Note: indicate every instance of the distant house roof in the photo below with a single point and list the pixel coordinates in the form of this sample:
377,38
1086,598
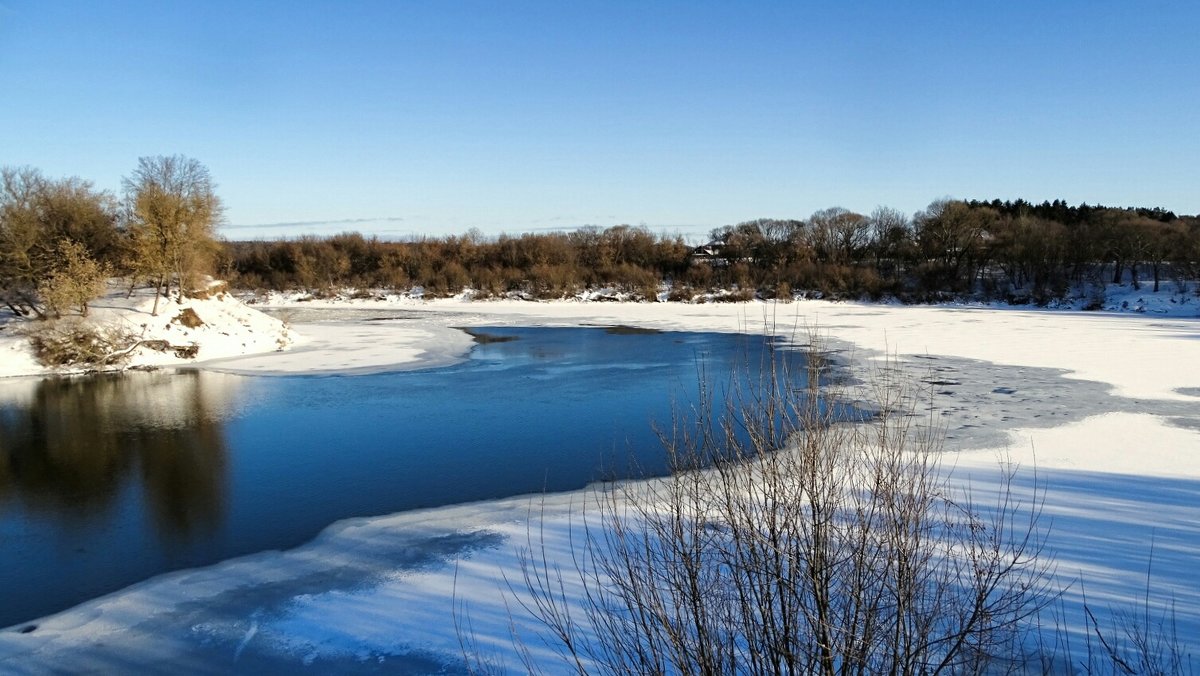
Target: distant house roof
712,253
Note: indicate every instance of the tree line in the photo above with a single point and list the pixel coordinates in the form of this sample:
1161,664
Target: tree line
61,239
1015,251
550,265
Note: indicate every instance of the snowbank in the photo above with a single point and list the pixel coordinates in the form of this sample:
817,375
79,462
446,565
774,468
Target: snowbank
219,327
352,344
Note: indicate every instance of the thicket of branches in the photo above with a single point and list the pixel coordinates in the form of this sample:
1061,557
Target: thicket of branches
61,239
1005,250
791,541
797,535
40,220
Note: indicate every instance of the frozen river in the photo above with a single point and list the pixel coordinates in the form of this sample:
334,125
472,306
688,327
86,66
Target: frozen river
107,481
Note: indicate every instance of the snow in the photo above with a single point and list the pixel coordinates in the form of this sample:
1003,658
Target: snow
1123,349
356,347
1121,475
229,328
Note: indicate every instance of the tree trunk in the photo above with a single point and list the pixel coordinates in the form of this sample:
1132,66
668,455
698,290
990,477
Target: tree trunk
16,310
157,294
31,303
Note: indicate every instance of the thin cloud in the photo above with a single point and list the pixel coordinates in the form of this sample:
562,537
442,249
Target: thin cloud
294,224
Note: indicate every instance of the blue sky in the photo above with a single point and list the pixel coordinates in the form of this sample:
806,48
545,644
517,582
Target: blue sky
436,117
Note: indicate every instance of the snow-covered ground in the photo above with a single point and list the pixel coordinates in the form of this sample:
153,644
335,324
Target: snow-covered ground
226,328
1105,405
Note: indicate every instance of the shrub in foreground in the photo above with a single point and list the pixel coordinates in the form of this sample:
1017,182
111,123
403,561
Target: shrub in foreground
70,342
788,540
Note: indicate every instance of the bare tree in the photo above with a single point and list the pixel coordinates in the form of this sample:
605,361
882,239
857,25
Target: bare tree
839,235
890,232
173,216
1160,241
792,540
951,235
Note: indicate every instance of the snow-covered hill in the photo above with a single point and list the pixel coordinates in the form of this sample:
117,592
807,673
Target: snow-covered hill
196,330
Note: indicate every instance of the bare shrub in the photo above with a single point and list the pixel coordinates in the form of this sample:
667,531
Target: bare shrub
681,293
1135,638
790,539
734,296
70,342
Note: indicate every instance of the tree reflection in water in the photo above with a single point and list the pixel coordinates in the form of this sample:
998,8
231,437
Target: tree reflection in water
80,442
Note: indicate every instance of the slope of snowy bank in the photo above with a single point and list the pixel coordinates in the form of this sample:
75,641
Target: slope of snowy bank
218,327
1121,474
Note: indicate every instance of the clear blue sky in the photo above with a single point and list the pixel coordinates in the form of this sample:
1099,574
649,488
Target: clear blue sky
511,116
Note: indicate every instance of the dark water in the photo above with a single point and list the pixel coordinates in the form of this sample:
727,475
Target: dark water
110,480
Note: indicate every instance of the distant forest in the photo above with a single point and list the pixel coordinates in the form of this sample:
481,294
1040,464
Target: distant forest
60,239
1009,250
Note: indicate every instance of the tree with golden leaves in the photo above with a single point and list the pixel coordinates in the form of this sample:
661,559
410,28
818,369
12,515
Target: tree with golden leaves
173,211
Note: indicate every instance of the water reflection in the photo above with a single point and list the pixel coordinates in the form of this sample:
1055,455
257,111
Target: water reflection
78,443
107,481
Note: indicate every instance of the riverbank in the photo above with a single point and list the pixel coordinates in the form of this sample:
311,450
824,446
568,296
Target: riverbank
181,333
1104,405
290,333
